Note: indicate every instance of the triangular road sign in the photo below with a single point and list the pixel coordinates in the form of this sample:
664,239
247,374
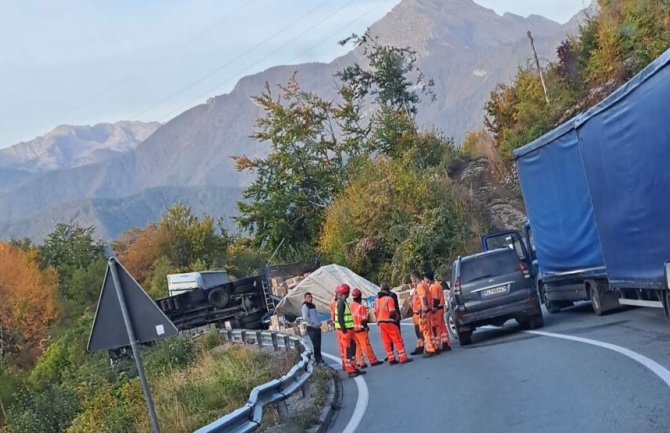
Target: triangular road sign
148,321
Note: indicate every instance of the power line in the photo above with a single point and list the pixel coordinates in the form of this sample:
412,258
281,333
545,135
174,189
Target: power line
209,74
158,59
340,30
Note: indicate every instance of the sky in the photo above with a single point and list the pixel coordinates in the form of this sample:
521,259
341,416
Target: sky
83,62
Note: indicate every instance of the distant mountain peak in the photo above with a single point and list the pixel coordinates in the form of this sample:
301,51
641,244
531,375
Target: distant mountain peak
68,146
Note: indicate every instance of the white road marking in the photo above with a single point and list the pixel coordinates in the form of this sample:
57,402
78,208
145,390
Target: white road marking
361,401
655,367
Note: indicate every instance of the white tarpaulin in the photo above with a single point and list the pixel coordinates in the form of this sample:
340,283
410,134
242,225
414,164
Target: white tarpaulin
321,284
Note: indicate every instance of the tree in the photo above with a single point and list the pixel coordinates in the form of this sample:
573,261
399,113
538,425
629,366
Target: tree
397,215
389,86
297,180
316,145
28,299
179,242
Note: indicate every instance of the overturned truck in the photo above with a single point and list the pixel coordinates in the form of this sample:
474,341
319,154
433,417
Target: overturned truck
204,298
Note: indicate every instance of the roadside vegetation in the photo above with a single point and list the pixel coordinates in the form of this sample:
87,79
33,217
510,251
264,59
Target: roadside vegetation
356,181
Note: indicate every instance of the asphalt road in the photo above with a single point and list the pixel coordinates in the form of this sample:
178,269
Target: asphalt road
512,381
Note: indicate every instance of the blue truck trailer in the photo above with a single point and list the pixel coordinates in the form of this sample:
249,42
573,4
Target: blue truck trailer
597,193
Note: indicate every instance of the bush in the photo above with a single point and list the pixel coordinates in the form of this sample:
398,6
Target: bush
49,410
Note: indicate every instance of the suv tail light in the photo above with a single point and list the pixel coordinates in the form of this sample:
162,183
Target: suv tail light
457,286
460,310
524,270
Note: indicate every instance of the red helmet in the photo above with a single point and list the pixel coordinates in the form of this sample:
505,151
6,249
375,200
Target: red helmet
356,293
343,290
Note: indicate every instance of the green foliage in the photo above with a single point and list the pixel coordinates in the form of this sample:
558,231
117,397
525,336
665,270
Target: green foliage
66,361
49,410
398,215
69,247
297,180
167,355
623,38
186,239
316,146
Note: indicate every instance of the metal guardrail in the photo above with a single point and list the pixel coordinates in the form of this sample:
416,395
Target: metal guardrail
248,417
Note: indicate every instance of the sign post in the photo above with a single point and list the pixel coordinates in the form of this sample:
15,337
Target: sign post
142,321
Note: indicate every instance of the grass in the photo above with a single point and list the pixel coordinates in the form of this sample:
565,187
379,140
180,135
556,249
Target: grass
217,379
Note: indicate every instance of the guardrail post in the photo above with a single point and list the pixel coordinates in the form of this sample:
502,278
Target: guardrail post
275,345
306,390
282,409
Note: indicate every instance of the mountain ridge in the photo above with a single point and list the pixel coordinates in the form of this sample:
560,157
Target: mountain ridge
465,48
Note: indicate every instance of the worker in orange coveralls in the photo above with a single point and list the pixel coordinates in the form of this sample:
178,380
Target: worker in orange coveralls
387,315
439,326
425,301
416,314
360,314
344,326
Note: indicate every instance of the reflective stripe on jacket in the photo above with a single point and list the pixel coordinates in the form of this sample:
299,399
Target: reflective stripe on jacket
384,306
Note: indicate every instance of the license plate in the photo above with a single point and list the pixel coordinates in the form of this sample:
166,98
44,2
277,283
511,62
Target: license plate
494,291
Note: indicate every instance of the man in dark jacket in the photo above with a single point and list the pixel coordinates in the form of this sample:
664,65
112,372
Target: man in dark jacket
311,318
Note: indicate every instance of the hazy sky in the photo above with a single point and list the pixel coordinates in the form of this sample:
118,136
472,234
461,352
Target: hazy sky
82,62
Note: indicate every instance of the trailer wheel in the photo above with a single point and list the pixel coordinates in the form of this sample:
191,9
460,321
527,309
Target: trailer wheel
596,301
551,306
218,298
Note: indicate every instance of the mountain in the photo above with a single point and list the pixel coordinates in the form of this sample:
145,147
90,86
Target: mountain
70,146
465,48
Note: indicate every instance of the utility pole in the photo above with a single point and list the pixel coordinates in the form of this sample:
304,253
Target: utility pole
539,69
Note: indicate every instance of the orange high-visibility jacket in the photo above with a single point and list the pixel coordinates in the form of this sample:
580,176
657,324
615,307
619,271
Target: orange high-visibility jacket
333,308
360,314
384,306
437,294
426,299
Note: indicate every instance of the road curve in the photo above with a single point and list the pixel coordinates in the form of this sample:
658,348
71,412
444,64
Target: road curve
509,381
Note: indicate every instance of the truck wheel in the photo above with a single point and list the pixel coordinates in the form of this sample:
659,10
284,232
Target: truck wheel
551,306
596,302
465,338
218,298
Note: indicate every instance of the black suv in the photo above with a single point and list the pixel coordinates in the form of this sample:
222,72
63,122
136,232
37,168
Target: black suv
490,288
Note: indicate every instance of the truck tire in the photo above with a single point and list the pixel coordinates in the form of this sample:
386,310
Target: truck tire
551,306
596,301
465,338
218,298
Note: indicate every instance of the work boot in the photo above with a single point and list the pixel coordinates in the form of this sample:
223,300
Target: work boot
417,351
374,364
363,366
446,348
429,354
356,373
407,360
393,362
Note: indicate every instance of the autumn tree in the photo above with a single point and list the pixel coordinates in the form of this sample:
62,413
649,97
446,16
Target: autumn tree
28,298
179,242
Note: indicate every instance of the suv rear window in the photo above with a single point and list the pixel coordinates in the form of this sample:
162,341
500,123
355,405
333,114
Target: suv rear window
489,265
